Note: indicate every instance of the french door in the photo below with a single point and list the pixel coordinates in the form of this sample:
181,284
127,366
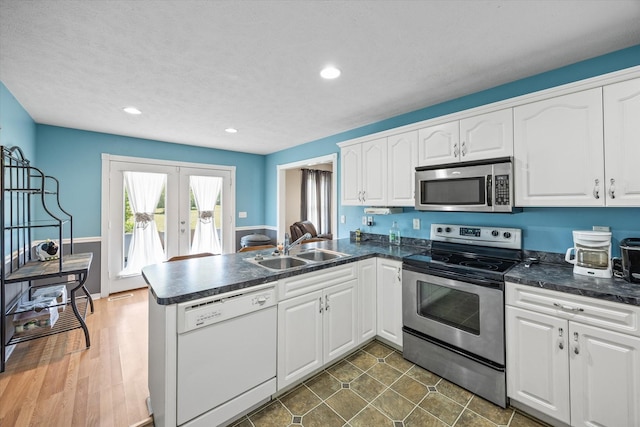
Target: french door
156,210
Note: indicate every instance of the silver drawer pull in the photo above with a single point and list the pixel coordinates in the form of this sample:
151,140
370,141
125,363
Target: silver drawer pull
568,307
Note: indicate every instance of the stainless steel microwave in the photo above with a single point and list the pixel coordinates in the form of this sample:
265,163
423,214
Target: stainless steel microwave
482,186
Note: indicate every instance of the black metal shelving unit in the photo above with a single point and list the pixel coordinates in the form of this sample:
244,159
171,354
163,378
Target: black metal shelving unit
26,193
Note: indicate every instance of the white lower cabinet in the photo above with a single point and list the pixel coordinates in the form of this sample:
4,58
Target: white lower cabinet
367,280
317,327
389,294
573,358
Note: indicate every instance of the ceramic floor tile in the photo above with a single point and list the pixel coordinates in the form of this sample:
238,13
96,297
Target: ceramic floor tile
362,360
344,371
490,411
384,373
367,387
324,385
442,407
377,349
454,392
322,416
300,401
346,403
393,405
410,389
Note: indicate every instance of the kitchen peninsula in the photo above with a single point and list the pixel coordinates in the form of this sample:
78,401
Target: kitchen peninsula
251,359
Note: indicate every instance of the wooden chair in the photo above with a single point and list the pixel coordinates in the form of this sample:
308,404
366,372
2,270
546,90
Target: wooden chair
181,257
256,248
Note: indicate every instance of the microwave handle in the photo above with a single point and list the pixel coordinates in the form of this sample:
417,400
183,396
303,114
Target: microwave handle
489,190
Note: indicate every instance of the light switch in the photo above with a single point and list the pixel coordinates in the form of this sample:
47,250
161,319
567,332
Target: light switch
242,214
416,223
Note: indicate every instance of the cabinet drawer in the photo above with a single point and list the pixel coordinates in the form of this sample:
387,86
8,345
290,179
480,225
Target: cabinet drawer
618,317
316,280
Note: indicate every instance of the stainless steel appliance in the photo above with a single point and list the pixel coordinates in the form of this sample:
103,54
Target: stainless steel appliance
630,254
453,306
483,186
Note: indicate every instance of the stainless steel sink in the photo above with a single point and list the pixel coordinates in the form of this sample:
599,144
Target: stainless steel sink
281,263
319,255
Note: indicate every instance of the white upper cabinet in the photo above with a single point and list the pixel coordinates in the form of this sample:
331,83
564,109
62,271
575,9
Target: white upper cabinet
402,160
622,143
364,173
439,144
487,136
558,151
379,172
480,137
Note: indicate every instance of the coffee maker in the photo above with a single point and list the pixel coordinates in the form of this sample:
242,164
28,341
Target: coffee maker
630,253
591,253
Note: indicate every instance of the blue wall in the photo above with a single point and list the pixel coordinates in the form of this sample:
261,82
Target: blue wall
546,229
75,158
16,126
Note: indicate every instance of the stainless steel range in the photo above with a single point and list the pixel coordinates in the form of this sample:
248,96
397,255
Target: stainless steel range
453,306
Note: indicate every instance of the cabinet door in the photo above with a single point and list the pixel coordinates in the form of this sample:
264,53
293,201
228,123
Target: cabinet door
351,175
367,299
389,284
605,377
374,172
558,151
340,322
299,337
439,144
537,361
487,136
402,161
622,143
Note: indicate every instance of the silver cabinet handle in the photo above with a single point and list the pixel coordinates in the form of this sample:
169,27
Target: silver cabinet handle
364,196
455,150
576,348
326,303
320,305
399,276
560,338
568,307
596,189
464,148
612,189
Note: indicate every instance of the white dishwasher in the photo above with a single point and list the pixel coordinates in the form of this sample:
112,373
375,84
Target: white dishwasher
226,355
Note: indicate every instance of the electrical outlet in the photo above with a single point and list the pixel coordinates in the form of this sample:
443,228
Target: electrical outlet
601,228
370,221
364,220
242,214
343,219
416,223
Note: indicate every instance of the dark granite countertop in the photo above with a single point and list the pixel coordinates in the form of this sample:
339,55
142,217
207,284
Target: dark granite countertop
181,281
559,277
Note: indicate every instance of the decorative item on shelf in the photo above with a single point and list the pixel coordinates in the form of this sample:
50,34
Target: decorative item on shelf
358,235
47,251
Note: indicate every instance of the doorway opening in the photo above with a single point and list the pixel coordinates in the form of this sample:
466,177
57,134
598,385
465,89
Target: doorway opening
289,191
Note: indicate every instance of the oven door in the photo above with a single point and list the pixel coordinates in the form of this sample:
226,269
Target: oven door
462,315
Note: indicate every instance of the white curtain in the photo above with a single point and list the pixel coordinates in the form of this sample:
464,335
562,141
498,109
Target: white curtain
316,199
144,190
205,192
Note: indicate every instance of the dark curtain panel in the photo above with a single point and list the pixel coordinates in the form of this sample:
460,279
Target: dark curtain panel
315,199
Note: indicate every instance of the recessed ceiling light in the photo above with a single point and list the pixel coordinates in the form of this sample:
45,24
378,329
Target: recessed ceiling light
330,72
132,110
231,130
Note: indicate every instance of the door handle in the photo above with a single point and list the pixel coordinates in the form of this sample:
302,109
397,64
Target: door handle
612,189
596,189
576,347
320,299
326,303
560,338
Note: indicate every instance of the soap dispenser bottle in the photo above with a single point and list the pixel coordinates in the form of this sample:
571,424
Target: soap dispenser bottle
394,234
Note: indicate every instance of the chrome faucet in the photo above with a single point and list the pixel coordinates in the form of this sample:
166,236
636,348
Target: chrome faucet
288,247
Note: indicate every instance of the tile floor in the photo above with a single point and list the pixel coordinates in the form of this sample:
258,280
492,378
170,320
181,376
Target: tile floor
377,387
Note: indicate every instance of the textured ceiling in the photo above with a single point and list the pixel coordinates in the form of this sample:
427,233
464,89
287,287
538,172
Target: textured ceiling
197,67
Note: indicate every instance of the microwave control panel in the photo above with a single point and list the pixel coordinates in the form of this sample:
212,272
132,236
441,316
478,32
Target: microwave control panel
502,192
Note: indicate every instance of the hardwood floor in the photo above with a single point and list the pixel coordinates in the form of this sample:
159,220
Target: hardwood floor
56,381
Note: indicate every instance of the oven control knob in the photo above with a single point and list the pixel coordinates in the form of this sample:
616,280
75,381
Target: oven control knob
439,229
448,229
506,235
495,233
